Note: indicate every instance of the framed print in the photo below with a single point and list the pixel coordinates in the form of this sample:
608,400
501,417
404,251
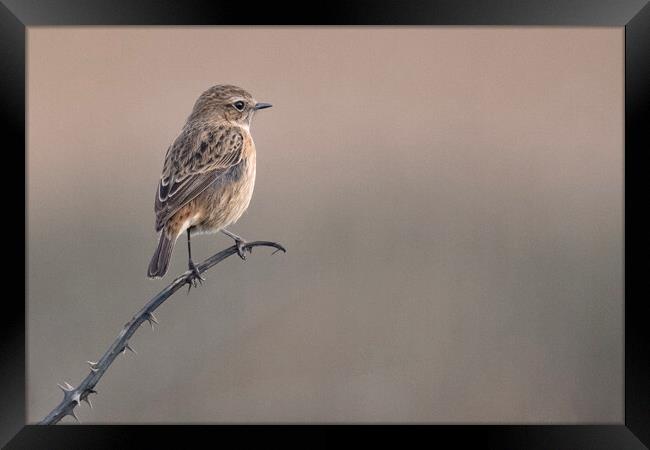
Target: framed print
420,218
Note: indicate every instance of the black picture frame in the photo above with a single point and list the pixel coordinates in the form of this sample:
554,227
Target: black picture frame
634,15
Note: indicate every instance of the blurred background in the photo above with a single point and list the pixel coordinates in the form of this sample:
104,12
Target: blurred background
451,199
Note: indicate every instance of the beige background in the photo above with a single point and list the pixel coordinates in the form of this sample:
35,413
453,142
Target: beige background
451,199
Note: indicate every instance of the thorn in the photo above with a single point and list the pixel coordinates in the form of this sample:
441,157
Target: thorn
93,365
65,387
71,413
151,319
87,400
128,347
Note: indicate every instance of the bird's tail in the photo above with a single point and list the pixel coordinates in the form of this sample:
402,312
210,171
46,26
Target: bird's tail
160,259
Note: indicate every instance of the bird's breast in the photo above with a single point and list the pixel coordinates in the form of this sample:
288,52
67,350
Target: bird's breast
230,195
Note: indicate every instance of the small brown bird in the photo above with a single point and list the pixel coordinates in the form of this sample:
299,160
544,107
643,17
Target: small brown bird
209,173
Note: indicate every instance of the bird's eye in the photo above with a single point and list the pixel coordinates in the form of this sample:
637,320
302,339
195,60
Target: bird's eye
239,105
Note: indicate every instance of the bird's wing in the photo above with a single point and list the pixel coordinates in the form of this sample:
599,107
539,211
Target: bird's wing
195,160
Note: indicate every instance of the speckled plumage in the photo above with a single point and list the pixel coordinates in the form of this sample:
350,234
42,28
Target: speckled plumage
209,171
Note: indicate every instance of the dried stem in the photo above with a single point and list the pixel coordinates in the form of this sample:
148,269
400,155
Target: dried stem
73,396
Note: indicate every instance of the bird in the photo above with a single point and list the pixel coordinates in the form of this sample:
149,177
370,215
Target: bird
208,174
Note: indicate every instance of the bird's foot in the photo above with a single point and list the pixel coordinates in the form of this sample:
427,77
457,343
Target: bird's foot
194,278
241,248
240,243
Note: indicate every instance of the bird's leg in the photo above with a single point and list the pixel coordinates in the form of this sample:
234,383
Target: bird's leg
195,276
239,242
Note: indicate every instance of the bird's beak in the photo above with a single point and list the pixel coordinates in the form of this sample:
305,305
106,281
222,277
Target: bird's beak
262,106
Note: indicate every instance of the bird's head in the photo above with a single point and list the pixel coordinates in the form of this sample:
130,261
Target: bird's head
225,102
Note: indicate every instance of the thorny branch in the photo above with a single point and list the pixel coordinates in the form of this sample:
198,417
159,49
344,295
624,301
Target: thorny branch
73,396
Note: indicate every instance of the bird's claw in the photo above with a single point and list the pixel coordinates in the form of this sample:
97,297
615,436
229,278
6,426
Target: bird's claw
194,278
241,249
